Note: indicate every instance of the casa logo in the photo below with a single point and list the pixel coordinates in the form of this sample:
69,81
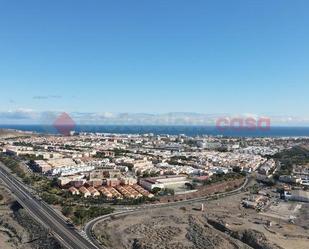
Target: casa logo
64,124
247,123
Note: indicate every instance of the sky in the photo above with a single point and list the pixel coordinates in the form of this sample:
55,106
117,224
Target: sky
201,56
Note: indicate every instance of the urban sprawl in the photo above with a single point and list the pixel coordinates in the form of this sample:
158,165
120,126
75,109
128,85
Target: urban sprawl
124,166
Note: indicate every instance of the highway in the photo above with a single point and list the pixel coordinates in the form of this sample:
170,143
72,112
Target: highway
63,232
88,228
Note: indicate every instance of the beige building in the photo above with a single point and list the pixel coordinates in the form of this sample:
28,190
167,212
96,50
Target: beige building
73,191
84,191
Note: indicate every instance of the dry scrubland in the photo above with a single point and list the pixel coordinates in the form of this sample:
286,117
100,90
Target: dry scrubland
5,133
18,230
224,224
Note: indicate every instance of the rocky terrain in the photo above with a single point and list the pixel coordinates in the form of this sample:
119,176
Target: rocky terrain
20,231
224,224
172,228
162,232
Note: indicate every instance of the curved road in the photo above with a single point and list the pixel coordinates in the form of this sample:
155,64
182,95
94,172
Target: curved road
67,235
88,229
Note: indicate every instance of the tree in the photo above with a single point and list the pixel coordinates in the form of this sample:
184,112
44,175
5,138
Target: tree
189,185
146,174
67,210
236,169
54,182
130,167
156,190
169,191
80,215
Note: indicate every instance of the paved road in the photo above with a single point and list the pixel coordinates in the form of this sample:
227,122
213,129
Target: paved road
44,214
88,229
67,235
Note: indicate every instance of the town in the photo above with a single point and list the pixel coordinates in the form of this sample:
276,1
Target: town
87,175
118,166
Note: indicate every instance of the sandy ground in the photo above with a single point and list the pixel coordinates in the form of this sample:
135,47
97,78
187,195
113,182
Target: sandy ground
189,227
11,233
165,228
18,230
5,133
281,232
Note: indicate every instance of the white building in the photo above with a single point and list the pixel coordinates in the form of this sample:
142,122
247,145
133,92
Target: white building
163,182
297,195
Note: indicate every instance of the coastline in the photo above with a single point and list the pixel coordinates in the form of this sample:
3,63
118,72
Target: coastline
192,131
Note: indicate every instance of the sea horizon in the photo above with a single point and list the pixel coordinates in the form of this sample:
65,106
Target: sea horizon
177,129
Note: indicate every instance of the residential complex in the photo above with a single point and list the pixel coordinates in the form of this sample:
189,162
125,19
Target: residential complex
117,166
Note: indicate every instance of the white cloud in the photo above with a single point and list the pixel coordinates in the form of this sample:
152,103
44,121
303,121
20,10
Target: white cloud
28,116
43,97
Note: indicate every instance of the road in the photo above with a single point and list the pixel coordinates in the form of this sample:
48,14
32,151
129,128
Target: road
90,225
43,213
67,235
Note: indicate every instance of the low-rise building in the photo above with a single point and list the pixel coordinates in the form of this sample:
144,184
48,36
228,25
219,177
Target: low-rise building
73,191
93,191
112,182
41,166
142,191
105,192
128,180
297,195
163,182
95,182
115,193
289,179
84,191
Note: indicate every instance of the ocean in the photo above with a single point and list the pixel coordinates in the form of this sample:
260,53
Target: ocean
172,130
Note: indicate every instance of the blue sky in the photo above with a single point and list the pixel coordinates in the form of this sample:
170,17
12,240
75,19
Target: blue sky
223,56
